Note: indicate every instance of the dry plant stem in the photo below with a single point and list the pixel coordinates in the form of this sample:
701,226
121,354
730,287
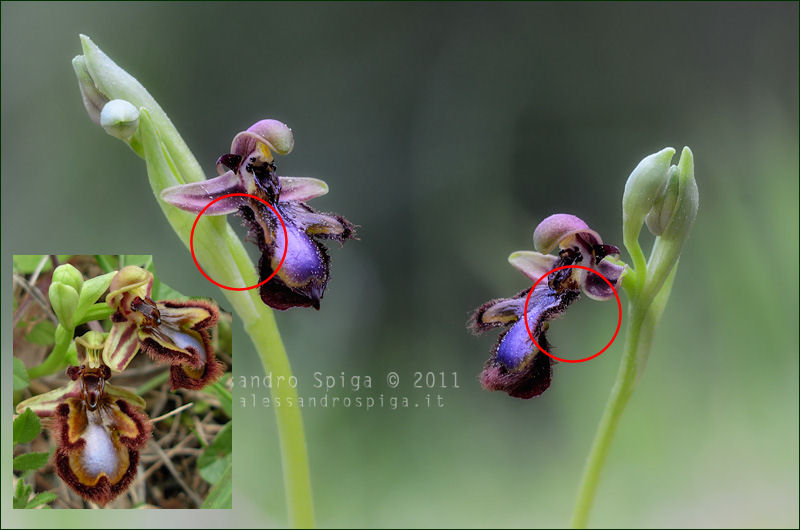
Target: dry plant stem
177,476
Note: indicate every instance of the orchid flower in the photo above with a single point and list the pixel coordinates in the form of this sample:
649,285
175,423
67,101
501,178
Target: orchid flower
516,365
249,168
170,331
99,428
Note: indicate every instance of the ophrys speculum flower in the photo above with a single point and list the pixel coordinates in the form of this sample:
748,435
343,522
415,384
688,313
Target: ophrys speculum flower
99,428
170,331
250,168
517,366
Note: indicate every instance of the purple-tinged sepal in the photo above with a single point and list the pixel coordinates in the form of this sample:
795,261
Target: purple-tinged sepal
195,196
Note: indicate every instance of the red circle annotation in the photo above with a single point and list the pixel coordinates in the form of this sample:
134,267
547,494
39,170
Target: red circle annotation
619,319
285,239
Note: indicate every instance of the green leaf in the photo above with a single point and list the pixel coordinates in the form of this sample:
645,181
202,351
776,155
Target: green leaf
225,399
26,427
28,461
91,291
21,494
42,333
99,311
21,380
41,498
107,263
64,300
217,456
221,494
27,263
214,470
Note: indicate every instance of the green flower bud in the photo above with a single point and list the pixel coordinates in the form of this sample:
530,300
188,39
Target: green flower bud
679,219
93,99
643,188
68,275
120,118
64,300
684,209
661,212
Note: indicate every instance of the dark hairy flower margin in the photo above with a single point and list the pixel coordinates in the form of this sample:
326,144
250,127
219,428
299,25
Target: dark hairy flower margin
516,366
250,168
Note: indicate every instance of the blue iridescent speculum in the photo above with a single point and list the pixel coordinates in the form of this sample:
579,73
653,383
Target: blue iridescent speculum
249,168
516,366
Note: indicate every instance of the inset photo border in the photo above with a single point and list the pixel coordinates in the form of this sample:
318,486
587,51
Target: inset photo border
122,387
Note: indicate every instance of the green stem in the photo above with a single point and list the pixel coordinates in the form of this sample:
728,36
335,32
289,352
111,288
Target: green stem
296,476
153,382
620,393
643,316
223,256
56,360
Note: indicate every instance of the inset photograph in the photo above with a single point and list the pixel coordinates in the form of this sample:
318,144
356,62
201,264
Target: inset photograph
122,387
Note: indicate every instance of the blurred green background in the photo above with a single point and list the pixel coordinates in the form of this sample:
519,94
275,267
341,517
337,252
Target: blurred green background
448,131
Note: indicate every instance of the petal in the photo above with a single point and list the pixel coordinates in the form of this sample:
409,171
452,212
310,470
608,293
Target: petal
117,393
594,286
128,283
98,466
127,420
495,313
89,347
122,345
301,280
516,365
544,305
175,346
528,382
45,405
559,229
273,134
195,314
321,225
192,379
77,470
97,450
532,264
195,196
301,188
228,161
71,422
